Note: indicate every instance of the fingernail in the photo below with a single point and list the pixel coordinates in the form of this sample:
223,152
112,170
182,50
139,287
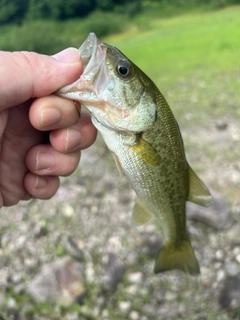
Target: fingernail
69,55
49,116
40,183
44,161
73,139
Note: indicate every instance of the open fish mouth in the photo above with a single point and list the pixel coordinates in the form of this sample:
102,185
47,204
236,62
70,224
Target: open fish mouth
93,54
111,99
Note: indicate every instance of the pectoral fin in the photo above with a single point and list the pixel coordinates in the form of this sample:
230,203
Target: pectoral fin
198,192
146,152
141,214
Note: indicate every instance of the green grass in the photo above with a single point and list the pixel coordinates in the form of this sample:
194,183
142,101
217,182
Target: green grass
166,49
176,47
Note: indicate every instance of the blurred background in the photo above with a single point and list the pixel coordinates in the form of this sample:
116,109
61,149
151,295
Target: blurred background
77,256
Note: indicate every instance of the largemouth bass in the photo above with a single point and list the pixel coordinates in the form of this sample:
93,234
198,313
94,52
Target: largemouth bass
139,128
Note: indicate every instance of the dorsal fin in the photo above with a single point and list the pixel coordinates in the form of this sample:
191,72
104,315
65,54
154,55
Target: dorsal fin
141,214
198,192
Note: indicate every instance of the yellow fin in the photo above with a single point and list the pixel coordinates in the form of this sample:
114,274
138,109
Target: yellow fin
141,214
118,164
146,152
178,256
198,192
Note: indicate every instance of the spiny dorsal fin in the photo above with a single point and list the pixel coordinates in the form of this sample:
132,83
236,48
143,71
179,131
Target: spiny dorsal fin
146,152
141,214
198,192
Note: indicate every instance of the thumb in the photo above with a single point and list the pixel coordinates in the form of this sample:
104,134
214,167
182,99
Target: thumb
25,75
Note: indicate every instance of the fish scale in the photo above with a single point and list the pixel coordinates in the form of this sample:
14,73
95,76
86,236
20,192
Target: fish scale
139,128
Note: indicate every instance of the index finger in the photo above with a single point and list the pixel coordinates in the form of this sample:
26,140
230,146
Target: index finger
25,75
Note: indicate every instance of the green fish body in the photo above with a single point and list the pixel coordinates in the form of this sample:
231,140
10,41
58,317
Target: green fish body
139,128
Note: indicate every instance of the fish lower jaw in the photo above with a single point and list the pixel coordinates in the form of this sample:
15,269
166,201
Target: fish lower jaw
108,126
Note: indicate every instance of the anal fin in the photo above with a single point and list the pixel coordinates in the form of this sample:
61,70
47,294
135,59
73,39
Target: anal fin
198,192
141,214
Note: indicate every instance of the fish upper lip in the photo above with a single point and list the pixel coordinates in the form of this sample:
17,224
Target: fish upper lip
92,53
88,48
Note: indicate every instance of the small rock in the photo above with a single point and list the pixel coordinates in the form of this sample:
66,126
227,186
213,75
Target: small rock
73,316
124,306
12,304
134,315
230,295
114,271
90,272
219,255
68,210
221,124
238,258
220,274
232,268
73,248
135,277
170,296
59,281
40,229
105,313
133,289
216,215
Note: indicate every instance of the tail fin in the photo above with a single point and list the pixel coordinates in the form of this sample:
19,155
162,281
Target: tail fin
177,256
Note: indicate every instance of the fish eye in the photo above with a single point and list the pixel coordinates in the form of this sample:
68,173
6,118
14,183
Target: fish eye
124,69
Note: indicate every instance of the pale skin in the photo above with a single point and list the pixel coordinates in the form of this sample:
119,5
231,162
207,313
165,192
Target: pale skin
29,113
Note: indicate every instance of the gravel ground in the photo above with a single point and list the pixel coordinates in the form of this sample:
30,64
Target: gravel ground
77,256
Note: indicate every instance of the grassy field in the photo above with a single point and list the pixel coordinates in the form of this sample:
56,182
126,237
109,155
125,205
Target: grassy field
184,44
194,60
204,45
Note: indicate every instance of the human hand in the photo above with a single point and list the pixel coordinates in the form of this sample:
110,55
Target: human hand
29,167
